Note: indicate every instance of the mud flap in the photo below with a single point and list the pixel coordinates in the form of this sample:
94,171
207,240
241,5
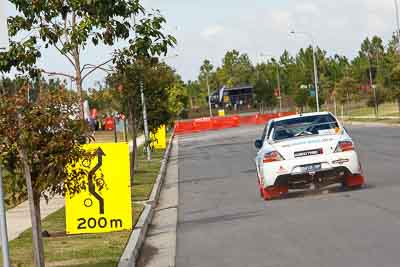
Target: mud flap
273,192
354,181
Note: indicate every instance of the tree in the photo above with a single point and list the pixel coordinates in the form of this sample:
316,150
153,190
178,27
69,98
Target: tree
178,100
289,73
206,77
346,89
377,98
71,26
156,78
205,70
264,93
103,100
38,141
301,98
236,69
194,94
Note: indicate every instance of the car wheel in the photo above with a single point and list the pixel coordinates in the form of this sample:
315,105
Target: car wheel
356,187
274,192
354,181
261,193
265,194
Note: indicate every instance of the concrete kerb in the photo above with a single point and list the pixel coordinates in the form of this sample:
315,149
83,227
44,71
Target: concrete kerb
138,235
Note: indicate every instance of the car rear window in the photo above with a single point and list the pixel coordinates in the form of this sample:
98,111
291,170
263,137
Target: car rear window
304,126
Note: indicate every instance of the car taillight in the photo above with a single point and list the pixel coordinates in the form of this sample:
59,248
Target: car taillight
272,156
344,146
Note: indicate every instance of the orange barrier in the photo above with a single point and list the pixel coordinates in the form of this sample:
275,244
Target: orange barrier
249,119
219,123
182,127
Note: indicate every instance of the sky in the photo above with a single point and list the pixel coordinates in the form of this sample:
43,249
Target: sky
207,29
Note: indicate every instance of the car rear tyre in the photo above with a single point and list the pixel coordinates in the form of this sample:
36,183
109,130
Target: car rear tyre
273,192
354,182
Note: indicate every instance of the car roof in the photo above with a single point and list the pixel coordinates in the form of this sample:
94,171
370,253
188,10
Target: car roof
301,115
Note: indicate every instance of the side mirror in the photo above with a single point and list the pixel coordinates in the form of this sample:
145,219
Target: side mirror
258,144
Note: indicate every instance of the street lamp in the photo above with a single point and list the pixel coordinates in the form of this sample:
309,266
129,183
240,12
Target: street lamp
209,95
396,4
309,35
278,78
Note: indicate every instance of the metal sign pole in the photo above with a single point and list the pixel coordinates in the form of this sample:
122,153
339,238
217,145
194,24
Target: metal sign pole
3,226
4,45
145,121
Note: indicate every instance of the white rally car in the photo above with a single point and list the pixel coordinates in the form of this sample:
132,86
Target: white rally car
306,151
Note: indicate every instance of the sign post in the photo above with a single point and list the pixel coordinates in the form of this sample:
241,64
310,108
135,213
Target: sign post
3,220
106,204
3,226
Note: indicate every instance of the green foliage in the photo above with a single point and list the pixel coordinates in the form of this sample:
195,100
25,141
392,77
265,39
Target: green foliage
103,100
264,92
301,97
346,88
71,26
196,96
236,70
375,64
157,79
178,100
47,131
378,97
395,79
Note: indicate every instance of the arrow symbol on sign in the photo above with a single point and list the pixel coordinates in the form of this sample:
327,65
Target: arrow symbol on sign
92,188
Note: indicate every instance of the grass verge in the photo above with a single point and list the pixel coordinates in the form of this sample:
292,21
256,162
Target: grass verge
89,250
146,174
386,121
100,250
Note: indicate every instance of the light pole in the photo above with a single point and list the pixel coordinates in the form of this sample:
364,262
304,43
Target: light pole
145,121
278,79
4,46
396,4
309,35
209,96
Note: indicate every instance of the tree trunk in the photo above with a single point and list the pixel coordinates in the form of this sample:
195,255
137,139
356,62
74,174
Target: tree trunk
78,74
132,130
80,94
34,207
191,103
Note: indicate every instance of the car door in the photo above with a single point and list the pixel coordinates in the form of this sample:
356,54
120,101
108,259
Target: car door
260,153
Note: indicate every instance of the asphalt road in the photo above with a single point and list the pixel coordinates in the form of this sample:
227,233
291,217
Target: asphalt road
224,222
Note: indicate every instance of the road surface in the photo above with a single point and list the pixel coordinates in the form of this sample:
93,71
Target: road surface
224,222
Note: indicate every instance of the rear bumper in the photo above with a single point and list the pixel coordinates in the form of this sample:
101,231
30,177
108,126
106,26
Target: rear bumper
334,167
321,178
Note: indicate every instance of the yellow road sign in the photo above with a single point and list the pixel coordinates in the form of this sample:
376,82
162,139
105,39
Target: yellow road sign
108,209
160,138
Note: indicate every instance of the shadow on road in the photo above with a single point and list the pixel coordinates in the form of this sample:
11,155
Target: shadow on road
221,218
321,192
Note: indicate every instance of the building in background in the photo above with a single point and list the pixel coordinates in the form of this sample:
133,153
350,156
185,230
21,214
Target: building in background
231,97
